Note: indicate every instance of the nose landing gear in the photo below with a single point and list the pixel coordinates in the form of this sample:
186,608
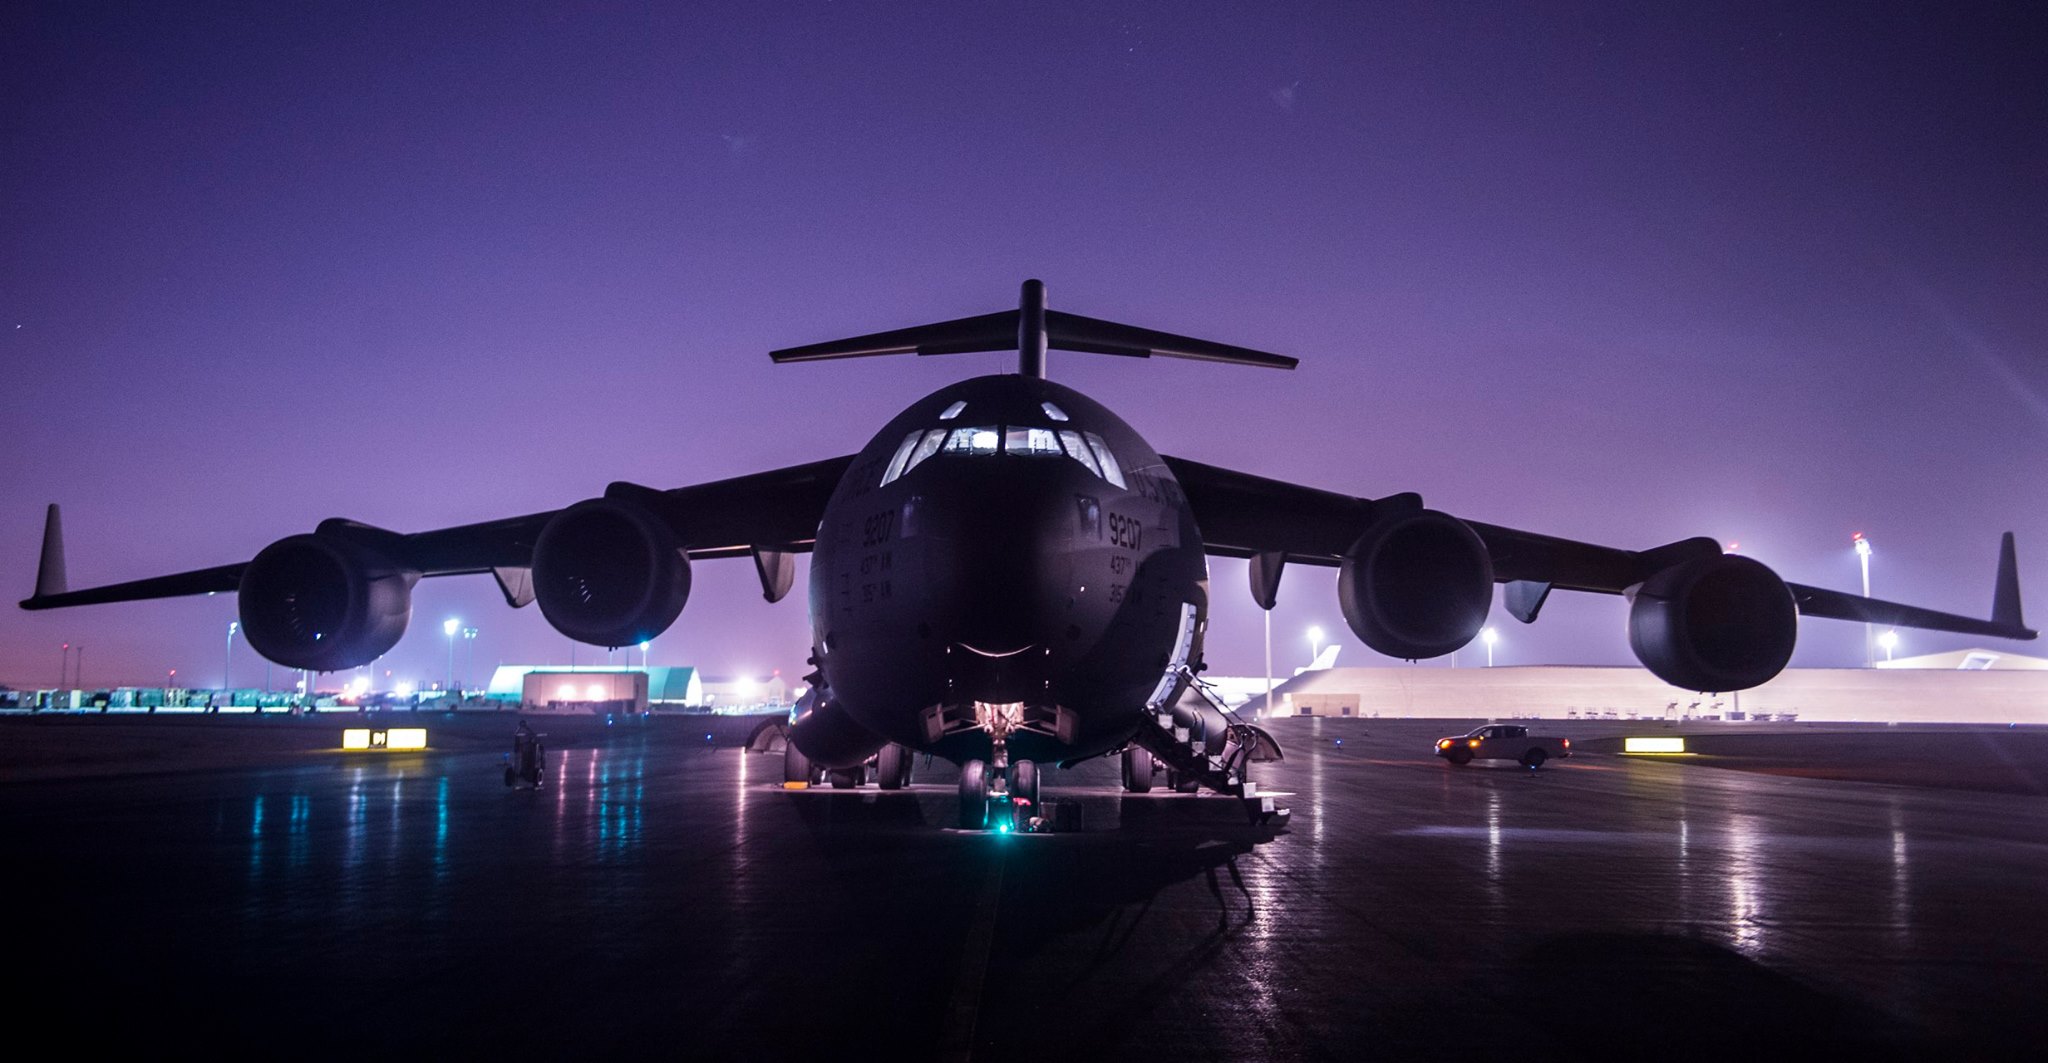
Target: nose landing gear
998,794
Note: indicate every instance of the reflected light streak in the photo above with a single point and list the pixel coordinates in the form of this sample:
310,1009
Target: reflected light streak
1745,887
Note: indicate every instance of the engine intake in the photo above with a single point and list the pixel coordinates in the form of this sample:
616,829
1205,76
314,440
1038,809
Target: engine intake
610,573
1416,585
324,603
1714,624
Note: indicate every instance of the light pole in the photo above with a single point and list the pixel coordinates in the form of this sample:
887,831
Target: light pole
64,667
1491,636
469,657
643,654
1863,555
1315,644
228,658
449,627
1890,641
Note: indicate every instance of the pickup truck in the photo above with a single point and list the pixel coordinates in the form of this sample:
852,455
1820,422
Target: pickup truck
1502,741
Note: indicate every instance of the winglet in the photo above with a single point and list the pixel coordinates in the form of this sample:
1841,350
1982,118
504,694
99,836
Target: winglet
2005,600
50,573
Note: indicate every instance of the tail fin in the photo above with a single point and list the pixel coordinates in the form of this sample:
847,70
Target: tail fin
2005,599
50,572
1031,328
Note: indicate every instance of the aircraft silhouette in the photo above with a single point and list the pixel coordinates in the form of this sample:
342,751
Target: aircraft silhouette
1007,574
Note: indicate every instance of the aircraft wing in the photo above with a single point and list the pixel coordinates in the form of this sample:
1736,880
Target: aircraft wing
776,511
1242,515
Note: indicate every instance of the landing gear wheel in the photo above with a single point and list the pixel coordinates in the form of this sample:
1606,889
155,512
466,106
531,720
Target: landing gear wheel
848,778
795,766
892,767
1460,757
1138,768
1182,783
1024,792
1534,759
974,796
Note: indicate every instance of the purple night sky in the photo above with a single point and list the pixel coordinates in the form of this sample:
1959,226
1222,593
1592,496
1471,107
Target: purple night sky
1628,273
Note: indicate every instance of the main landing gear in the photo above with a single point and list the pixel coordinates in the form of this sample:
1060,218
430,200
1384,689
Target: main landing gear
889,769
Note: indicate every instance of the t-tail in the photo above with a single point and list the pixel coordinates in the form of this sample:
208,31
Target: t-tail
1032,329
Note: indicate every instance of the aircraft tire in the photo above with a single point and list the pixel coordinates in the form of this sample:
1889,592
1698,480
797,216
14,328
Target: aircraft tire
1024,786
1138,767
974,796
795,766
847,778
892,767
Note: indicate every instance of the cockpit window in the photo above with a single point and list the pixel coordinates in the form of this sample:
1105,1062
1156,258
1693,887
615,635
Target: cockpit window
953,410
902,458
1033,442
1053,412
1022,440
981,440
1079,451
1110,470
915,447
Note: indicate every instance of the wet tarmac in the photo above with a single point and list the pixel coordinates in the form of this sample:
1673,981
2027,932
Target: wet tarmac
662,897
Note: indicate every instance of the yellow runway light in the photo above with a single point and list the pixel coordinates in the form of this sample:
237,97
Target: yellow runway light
1664,746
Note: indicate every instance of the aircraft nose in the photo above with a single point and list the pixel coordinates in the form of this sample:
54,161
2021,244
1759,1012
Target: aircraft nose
1003,559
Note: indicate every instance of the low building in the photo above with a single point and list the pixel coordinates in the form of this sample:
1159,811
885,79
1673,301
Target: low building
1946,688
657,689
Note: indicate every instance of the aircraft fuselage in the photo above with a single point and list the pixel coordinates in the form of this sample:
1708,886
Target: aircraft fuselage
1007,544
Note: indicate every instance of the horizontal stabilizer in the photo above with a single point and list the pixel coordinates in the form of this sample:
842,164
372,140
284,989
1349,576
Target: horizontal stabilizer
1001,331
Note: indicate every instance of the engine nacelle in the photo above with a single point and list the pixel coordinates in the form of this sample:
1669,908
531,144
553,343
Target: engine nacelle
1717,623
609,573
1416,585
324,603
830,736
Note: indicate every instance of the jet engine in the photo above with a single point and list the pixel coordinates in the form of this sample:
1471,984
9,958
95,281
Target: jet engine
825,733
610,573
324,603
1416,585
1716,623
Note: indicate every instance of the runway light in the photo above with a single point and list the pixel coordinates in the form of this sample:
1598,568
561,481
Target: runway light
1653,745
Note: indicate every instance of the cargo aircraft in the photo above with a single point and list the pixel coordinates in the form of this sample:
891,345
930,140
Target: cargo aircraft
1008,575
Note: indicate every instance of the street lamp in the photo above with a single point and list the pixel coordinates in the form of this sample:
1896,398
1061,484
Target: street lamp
1315,644
64,667
643,654
1890,641
449,627
228,657
1863,555
469,656
1490,636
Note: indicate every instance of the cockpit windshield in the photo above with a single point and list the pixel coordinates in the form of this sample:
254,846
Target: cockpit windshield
1025,441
